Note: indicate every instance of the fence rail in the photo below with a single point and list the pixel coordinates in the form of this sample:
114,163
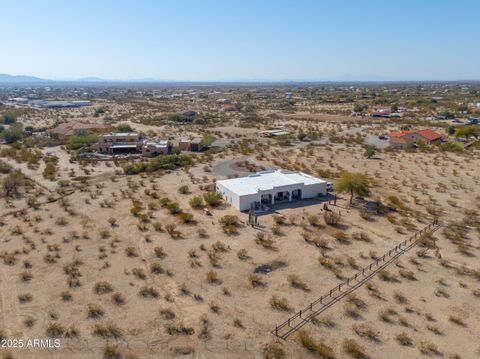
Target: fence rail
304,316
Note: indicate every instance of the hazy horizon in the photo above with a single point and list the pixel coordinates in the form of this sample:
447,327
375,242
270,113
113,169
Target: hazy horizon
218,41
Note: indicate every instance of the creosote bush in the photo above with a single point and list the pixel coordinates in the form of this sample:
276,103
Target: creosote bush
319,349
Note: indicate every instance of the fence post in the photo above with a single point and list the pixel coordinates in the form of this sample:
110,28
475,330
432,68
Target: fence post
300,315
276,330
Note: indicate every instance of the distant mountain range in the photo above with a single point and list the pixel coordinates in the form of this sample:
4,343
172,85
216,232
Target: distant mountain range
20,79
6,79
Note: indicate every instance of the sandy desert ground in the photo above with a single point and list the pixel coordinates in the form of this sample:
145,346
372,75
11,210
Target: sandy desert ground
107,266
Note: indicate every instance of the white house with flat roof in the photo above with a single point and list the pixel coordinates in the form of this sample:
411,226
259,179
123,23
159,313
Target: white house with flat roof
270,187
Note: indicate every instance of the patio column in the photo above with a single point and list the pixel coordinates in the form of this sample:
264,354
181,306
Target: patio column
273,199
290,196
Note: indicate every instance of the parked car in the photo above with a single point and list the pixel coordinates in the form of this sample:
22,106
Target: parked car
382,137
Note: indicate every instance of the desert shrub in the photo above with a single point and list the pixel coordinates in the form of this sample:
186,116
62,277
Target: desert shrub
184,350
256,281
26,276
407,274
387,276
50,171
55,330
111,352
174,208
365,331
213,199
157,226
172,231
342,237
296,282
262,239
366,215
212,277
94,311
318,349
430,349
66,296
103,288
25,298
279,219
273,351
186,218
167,314
279,303
159,252
457,320
242,254
139,273
148,292
229,224
173,329
118,299
12,184
79,141
107,331
183,189
131,251
404,339
196,202
331,218
353,349
159,162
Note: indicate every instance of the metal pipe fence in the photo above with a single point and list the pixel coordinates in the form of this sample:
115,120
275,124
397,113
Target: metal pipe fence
302,317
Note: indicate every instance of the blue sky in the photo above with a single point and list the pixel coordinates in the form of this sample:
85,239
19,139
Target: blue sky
203,40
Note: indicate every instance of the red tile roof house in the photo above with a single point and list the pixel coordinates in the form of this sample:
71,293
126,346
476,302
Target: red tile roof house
67,129
408,139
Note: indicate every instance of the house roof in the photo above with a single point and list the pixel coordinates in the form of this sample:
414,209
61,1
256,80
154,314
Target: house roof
429,135
69,128
399,133
267,180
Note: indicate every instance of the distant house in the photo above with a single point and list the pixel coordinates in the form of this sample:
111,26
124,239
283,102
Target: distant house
228,107
67,129
430,136
119,142
184,144
155,148
273,133
408,139
196,145
402,139
381,111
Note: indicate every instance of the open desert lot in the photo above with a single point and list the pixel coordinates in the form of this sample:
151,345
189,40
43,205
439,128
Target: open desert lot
127,256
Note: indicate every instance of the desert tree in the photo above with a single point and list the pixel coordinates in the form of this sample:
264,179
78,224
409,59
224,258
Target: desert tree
353,183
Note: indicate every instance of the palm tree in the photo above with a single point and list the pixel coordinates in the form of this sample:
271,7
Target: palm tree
353,182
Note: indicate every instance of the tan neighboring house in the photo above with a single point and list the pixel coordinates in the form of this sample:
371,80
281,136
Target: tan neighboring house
67,129
121,142
194,145
184,144
155,148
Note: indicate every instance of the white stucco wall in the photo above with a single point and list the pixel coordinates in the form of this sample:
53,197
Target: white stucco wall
243,202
